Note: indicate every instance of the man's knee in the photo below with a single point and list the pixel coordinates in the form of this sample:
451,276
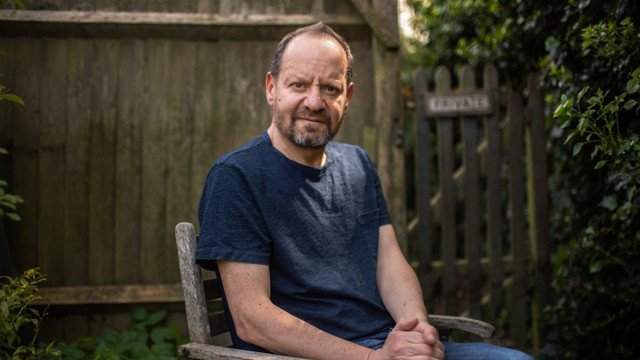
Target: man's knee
481,351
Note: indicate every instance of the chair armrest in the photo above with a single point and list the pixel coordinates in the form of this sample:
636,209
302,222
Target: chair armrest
213,352
473,326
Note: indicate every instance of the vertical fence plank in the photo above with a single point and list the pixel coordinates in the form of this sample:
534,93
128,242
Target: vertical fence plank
538,206
471,199
102,235
102,162
25,151
423,190
494,214
207,6
152,257
51,161
76,203
448,203
179,147
205,122
128,161
518,248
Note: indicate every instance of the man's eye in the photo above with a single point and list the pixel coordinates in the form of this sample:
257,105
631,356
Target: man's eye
331,89
297,85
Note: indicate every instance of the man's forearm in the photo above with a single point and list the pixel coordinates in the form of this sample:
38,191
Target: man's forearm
402,294
258,321
399,286
278,331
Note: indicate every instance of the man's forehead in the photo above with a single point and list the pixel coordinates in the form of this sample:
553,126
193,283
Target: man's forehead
314,48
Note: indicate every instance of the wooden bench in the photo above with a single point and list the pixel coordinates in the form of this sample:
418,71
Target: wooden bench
204,325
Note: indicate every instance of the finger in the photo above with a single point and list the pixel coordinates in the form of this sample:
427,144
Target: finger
425,327
429,332
438,353
430,337
439,345
408,348
406,324
412,337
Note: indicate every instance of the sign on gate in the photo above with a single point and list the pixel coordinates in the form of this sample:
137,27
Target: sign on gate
458,104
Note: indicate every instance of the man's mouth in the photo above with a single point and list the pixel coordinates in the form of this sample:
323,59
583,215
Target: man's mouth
312,120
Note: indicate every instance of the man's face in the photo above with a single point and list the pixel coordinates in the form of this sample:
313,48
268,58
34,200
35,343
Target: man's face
310,96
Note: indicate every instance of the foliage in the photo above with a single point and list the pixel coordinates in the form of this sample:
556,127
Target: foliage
8,202
597,273
477,32
146,338
15,4
587,52
18,318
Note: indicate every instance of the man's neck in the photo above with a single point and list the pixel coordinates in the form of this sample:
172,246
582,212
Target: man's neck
314,157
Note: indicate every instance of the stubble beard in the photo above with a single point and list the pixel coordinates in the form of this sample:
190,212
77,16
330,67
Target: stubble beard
306,136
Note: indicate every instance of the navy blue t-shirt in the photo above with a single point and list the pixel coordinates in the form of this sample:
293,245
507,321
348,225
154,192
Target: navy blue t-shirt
316,229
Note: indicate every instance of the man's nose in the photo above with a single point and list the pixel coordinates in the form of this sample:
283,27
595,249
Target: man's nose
313,101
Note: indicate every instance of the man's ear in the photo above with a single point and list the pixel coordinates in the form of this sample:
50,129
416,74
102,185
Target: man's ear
269,86
350,90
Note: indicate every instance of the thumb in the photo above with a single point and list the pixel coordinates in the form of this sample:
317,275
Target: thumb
406,324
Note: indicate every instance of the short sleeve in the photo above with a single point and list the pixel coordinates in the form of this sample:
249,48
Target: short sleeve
231,226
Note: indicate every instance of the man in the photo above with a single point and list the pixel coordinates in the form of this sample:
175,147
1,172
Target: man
299,231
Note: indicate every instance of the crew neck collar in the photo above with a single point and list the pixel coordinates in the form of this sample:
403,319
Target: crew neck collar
309,170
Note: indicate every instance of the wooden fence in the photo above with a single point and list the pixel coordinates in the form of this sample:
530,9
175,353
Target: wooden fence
128,103
482,199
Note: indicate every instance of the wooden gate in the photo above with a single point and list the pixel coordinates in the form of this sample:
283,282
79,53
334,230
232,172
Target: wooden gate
482,200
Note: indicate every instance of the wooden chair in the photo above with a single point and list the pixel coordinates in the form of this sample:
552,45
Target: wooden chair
203,326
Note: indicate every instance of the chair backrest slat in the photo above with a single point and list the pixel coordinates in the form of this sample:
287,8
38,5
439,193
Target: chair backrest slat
211,289
194,296
218,323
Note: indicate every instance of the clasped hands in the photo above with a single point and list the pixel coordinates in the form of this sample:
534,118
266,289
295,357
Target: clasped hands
411,339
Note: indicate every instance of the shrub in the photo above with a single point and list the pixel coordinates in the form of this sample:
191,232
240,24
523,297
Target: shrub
146,338
596,273
17,318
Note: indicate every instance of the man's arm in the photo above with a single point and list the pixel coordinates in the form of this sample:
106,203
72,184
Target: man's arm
402,296
398,284
258,321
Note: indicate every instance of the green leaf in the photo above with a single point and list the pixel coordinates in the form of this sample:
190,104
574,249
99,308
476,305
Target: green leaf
633,86
3,151
582,92
12,97
600,164
158,335
139,313
13,216
577,147
595,267
156,318
609,203
629,104
551,43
